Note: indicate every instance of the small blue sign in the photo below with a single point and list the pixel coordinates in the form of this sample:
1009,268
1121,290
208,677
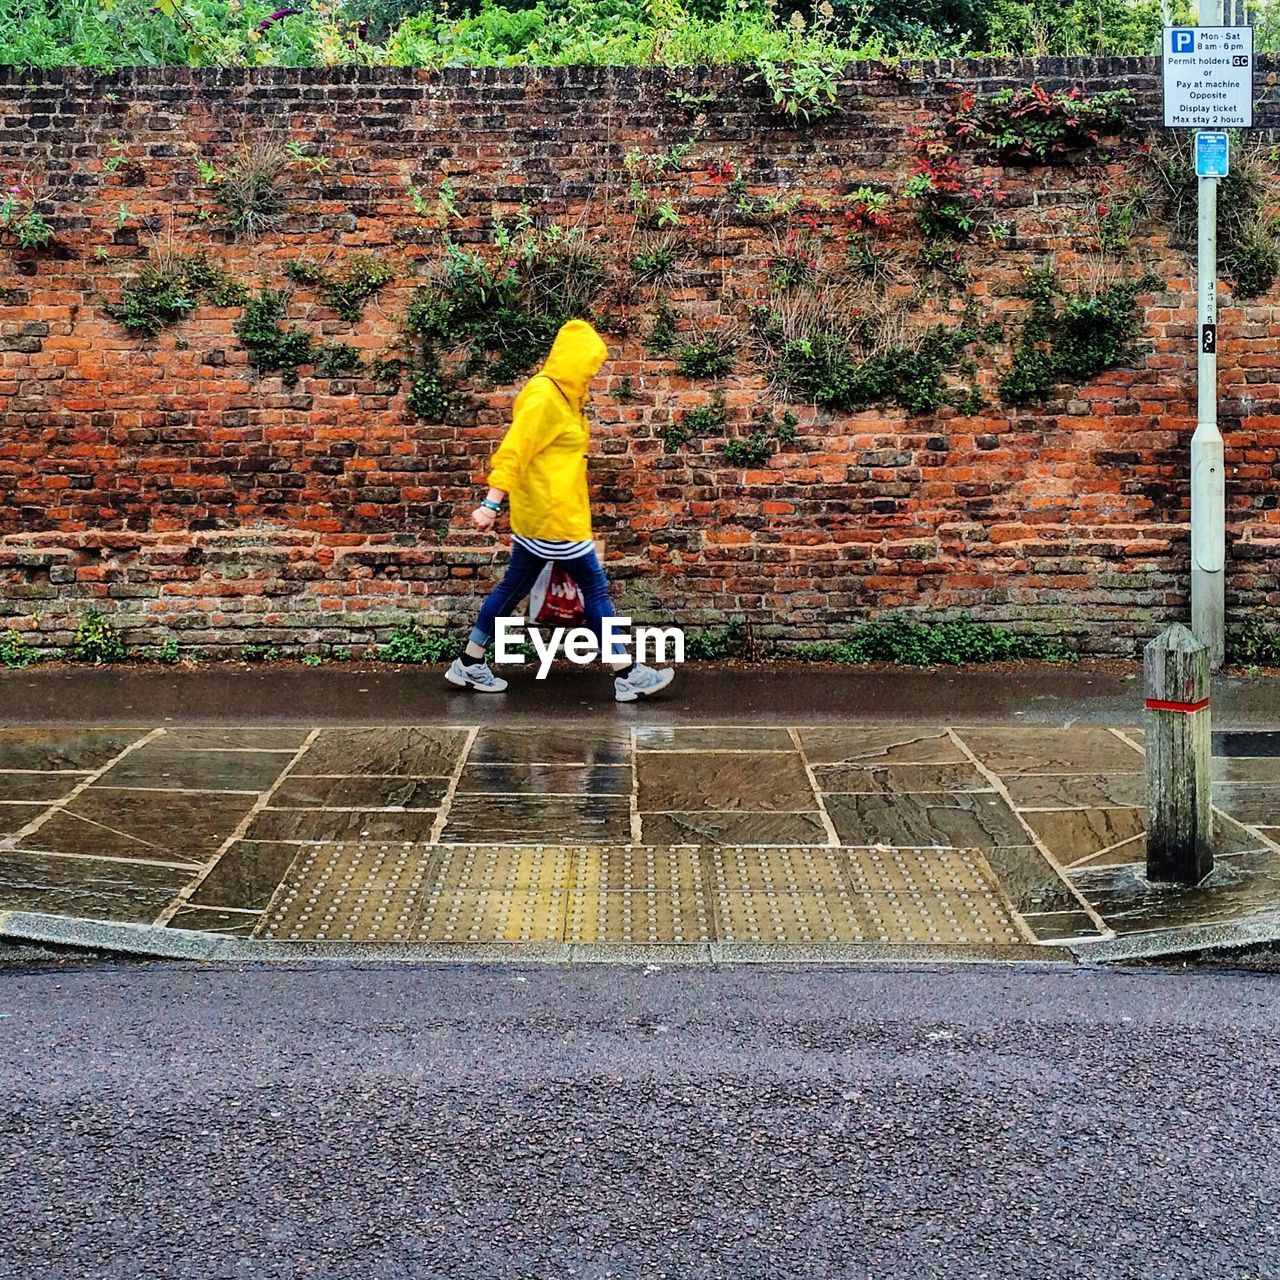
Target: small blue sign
1211,155
1184,40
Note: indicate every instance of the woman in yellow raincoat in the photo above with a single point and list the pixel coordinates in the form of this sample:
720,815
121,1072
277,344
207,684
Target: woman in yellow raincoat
541,465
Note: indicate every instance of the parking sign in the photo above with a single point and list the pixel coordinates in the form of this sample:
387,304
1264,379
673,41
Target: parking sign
1208,77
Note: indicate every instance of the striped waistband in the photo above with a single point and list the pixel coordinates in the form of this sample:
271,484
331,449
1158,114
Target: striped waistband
551,550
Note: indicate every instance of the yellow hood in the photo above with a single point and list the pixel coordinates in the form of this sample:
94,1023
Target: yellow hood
576,357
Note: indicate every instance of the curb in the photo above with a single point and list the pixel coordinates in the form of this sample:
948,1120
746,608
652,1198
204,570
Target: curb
147,940
1186,939
169,944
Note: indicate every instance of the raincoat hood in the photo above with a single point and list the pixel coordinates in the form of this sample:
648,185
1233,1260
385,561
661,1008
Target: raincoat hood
576,357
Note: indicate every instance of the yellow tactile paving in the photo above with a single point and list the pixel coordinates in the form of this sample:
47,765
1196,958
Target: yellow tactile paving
628,916
503,915
348,893
489,868
630,894
783,916
638,869
797,870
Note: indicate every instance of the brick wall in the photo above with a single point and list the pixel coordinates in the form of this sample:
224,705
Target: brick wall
164,482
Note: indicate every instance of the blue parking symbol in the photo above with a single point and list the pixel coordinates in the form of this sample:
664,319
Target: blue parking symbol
1184,40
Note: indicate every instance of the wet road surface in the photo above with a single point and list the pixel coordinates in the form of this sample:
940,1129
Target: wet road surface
160,1121
1086,693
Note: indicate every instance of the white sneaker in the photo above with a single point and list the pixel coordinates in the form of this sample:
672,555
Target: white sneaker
641,682
475,676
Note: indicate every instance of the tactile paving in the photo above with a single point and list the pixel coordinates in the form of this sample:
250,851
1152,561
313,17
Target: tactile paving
628,916
502,869
349,893
494,915
634,894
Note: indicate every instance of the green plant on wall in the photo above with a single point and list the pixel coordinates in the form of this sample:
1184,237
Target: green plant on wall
1254,645
874,268
759,445
1030,376
662,331
941,263
843,361
801,80
1248,246
387,372
249,186
337,360
297,151
749,451
431,393
130,171
501,311
1094,329
950,203
704,420
656,264
411,643
1031,125
442,208
169,289
800,90
272,348
796,258
709,355
346,290
648,177
20,214
717,644
1027,125
754,208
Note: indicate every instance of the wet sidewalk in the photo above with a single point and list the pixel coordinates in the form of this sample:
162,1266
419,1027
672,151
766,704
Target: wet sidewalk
597,839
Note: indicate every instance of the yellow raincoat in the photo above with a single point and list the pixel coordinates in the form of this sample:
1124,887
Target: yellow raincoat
542,460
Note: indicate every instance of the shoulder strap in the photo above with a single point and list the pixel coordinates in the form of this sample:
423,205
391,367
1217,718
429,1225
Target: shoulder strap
557,386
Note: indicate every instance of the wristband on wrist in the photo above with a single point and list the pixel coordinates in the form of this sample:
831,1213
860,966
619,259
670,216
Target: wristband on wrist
492,506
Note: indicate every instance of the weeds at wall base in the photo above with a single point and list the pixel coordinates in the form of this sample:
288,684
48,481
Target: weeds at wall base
15,653
96,640
1254,645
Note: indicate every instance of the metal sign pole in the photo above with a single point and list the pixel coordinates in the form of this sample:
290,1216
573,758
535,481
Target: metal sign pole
1208,481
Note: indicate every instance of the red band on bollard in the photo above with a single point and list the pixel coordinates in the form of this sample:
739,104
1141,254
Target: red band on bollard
1154,704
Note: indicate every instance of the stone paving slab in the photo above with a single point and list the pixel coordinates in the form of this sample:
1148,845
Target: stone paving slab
703,836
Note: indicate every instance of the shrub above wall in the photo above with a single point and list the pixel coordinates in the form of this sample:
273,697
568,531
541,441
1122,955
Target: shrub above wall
796,47
930,353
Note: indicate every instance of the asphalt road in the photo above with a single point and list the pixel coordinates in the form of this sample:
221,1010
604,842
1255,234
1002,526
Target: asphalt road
164,1121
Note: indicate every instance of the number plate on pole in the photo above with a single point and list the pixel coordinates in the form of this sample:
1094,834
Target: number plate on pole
1208,77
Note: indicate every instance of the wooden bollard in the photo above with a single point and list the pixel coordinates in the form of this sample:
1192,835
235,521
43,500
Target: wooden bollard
1179,800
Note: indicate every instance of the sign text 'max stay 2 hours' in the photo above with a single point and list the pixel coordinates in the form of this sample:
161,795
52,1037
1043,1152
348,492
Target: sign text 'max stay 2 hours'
1208,77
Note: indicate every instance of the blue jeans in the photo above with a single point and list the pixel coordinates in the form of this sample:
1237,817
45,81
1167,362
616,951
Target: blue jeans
518,581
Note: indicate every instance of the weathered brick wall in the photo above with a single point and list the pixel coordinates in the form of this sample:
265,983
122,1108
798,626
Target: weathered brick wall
164,482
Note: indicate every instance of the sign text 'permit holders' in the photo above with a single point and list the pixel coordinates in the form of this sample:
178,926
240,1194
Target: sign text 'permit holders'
1208,77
